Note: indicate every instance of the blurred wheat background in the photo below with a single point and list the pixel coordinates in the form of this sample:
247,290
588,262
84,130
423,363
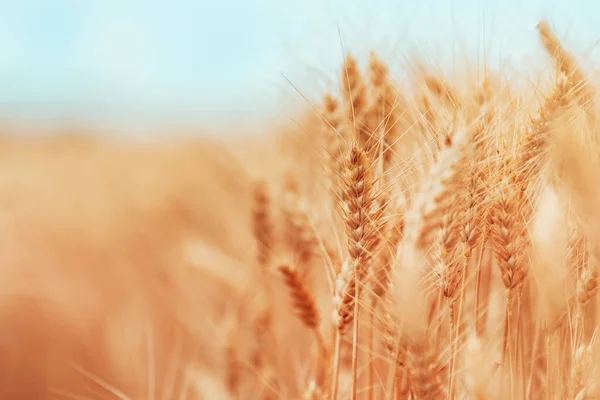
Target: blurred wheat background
299,200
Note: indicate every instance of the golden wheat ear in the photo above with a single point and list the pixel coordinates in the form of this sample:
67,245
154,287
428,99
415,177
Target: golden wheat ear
566,65
262,225
386,107
302,302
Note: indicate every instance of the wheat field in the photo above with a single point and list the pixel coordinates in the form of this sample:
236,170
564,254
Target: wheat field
433,239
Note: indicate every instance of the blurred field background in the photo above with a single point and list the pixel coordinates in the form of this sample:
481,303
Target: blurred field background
132,134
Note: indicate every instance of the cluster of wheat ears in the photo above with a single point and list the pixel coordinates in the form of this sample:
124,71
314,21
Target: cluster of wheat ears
453,256
425,239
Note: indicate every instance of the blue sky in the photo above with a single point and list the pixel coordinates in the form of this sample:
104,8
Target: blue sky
220,60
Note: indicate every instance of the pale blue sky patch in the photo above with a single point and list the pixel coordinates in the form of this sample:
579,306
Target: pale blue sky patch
208,61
